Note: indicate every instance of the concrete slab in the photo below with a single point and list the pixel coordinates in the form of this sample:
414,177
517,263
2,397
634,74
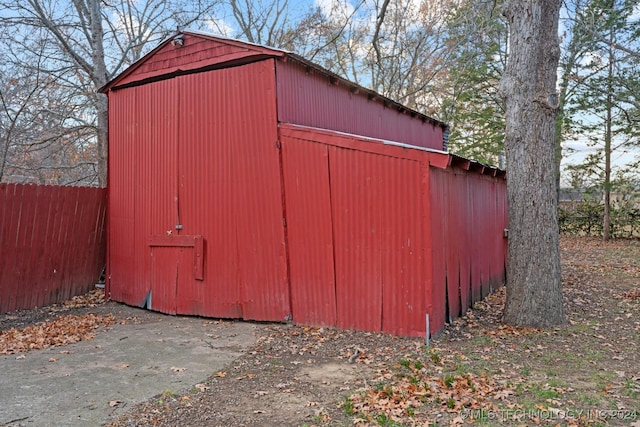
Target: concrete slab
129,363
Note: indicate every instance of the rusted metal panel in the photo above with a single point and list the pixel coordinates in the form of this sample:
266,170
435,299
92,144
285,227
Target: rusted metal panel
52,241
309,231
309,98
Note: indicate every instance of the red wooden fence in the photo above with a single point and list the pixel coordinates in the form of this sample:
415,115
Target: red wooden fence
52,243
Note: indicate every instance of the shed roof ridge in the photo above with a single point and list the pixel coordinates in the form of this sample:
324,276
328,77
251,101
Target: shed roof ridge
230,39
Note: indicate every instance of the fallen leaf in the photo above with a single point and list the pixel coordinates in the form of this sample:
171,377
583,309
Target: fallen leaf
202,387
122,366
503,394
114,403
222,374
53,359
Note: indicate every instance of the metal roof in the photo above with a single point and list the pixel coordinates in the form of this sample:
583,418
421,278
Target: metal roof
260,52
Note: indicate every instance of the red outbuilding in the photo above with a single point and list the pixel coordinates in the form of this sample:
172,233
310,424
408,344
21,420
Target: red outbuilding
246,182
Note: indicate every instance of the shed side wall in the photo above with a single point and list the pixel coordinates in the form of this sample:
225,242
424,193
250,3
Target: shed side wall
369,232
311,99
469,250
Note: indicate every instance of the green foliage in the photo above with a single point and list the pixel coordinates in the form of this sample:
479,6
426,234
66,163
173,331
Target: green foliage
585,219
347,406
602,109
448,380
471,103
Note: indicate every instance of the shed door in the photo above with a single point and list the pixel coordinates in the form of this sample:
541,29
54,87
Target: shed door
174,257
174,260
175,246
169,253
214,174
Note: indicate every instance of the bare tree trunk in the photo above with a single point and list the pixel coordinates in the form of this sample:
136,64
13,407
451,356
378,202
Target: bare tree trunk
99,76
534,289
606,220
102,138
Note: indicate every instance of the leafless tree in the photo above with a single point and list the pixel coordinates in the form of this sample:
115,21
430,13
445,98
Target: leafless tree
262,22
39,140
85,43
396,48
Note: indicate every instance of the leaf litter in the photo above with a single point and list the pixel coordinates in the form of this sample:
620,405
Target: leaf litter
476,372
62,331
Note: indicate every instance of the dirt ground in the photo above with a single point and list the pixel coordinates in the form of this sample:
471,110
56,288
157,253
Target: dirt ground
476,372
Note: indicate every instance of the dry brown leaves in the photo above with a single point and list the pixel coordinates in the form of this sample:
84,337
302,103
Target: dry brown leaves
90,299
61,331
631,295
405,394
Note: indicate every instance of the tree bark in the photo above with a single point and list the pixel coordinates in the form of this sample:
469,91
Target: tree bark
606,220
99,77
534,288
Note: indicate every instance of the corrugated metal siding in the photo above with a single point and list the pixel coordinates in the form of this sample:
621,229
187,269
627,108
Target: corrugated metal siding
205,156
53,243
376,237
468,217
375,229
438,210
122,165
310,99
378,242
208,189
155,149
235,197
310,231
